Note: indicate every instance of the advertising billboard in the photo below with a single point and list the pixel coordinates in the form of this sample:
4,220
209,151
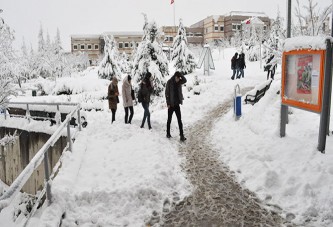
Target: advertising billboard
302,79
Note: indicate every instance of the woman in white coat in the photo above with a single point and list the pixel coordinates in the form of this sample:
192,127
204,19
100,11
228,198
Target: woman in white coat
128,99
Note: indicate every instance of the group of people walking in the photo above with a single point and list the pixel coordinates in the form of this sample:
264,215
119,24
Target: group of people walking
238,65
173,95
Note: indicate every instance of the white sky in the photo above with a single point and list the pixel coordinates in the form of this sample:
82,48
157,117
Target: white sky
95,17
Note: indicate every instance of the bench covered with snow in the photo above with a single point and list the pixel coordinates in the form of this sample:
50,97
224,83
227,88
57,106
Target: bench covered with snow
257,93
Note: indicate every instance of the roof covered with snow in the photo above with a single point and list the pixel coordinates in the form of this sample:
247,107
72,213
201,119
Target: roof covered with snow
124,33
85,36
248,14
253,21
306,42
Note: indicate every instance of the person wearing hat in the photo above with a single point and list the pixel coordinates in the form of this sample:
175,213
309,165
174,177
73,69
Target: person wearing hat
127,98
174,97
113,98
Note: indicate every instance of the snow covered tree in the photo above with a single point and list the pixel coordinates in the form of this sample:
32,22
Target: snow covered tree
150,57
312,21
274,42
182,57
109,66
6,57
124,63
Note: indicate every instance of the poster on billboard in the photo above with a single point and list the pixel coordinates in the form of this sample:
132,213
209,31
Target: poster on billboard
302,77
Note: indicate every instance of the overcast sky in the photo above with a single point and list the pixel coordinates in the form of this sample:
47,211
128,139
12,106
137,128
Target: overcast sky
98,16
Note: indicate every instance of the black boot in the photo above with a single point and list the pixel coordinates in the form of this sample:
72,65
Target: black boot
182,138
168,136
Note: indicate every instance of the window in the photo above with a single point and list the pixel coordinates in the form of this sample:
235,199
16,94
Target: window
120,45
171,39
216,27
96,47
265,27
82,47
126,45
236,27
221,28
75,47
89,46
198,34
137,44
132,44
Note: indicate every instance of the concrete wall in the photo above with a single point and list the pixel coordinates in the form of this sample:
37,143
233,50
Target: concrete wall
15,157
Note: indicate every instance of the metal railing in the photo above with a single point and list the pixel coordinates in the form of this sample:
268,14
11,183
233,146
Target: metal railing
19,182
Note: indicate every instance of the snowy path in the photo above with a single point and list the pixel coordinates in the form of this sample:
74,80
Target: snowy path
217,200
117,175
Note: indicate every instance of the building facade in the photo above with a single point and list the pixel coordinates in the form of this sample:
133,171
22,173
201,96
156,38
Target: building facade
208,30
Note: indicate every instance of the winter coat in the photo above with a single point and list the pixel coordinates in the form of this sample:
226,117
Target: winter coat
269,64
126,93
241,62
174,89
146,90
112,97
234,62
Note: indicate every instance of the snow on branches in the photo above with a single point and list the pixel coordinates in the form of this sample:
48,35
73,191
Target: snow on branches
182,57
109,66
150,57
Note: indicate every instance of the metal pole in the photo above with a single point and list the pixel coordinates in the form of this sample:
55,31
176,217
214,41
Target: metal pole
324,117
47,178
284,108
69,139
5,113
330,92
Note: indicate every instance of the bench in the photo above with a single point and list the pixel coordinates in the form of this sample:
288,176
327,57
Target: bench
260,92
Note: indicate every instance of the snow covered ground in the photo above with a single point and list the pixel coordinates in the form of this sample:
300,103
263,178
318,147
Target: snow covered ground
119,174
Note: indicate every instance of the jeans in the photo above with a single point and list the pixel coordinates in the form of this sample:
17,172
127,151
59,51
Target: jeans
175,109
241,73
113,115
128,120
234,72
146,114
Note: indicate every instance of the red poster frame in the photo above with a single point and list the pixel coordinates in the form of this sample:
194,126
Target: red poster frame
295,103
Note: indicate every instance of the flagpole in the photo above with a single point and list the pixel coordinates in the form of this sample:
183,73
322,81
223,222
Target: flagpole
174,13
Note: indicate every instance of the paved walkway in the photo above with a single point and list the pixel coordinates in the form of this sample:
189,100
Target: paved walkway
217,200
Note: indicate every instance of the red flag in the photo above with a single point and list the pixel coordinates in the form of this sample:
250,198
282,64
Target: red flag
248,21
172,1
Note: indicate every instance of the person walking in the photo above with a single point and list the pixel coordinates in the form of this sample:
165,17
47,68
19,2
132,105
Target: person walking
127,98
234,66
174,97
270,67
241,65
145,90
113,98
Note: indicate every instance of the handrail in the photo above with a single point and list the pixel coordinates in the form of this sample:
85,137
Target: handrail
19,182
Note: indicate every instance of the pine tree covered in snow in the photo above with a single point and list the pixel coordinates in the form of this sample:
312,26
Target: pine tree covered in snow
109,66
124,63
150,57
182,57
6,66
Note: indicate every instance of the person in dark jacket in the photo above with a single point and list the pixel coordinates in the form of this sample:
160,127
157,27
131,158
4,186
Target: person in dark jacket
241,65
270,67
146,88
174,97
234,66
113,98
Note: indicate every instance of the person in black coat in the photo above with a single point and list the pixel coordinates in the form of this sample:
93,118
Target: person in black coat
234,66
270,67
174,97
146,88
241,65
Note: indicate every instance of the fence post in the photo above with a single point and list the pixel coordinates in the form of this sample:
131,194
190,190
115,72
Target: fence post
27,114
59,117
47,177
79,119
69,139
